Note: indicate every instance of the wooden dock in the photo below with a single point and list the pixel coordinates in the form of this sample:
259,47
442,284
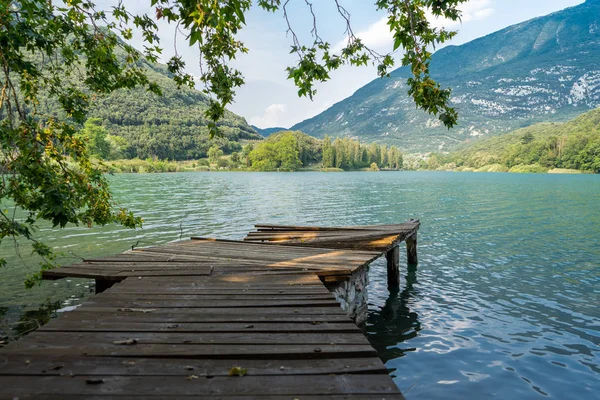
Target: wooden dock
209,318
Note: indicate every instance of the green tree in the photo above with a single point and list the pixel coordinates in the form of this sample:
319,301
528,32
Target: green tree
328,153
35,148
235,157
383,150
395,158
588,159
214,154
118,147
338,147
374,153
288,153
264,157
222,163
94,135
279,152
246,153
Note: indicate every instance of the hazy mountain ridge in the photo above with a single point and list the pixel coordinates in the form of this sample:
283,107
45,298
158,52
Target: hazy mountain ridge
544,69
266,132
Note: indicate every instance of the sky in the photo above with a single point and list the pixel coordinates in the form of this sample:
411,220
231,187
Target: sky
269,99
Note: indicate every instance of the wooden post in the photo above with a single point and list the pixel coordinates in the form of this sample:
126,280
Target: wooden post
411,250
103,284
393,267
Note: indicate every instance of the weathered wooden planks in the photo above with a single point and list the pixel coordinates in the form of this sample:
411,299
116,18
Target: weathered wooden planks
198,257
250,386
44,365
380,238
174,319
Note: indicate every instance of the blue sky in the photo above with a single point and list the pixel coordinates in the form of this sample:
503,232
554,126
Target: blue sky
269,99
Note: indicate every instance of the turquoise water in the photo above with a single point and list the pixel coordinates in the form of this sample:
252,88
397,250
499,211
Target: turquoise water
505,301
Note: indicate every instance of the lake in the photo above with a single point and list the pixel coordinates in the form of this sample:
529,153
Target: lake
504,303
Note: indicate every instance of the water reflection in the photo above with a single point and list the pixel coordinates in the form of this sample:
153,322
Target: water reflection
28,321
395,322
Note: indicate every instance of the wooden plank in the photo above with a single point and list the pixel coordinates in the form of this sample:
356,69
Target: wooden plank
243,248
141,265
170,316
212,397
137,256
125,309
237,281
240,281
214,327
197,351
288,291
278,295
375,238
233,267
331,258
345,228
308,236
207,241
43,365
299,385
108,339
311,228
344,233
201,304
202,243
182,288
59,273
120,274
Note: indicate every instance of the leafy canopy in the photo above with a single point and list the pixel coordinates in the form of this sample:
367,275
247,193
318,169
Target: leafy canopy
84,53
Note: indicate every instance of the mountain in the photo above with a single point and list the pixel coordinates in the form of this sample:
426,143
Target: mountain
266,132
544,69
171,126
540,147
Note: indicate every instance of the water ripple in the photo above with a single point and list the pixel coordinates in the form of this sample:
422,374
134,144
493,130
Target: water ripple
505,299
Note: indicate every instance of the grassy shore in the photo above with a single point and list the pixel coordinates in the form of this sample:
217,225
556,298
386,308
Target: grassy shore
157,166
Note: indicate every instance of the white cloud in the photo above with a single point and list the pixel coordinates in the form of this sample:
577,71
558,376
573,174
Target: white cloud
378,36
483,14
273,116
474,10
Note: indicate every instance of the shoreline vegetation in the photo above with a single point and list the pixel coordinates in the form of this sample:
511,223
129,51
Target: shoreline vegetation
556,148
137,166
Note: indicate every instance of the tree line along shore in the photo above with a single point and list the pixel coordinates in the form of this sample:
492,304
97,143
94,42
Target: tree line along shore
572,147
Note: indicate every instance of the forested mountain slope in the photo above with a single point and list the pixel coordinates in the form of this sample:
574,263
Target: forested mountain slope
171,126
571,145
545,69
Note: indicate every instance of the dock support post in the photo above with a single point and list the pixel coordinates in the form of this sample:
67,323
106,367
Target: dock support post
411,249
103,284
393,267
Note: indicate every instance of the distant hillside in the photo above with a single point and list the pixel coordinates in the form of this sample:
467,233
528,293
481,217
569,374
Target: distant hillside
540,147
545,69
171,126
266,132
